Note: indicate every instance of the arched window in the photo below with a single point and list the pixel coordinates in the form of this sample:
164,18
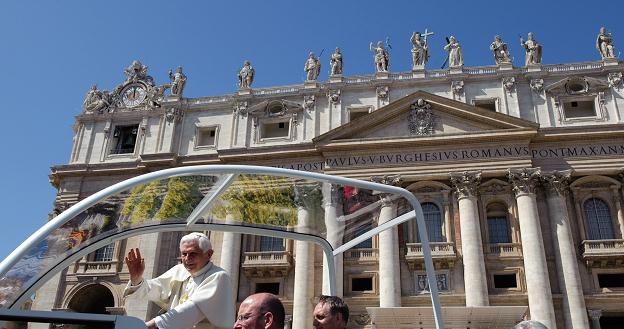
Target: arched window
433,220
269,243
598,217
498,223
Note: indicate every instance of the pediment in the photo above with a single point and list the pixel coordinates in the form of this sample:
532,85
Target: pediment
577,86
273,108
421,116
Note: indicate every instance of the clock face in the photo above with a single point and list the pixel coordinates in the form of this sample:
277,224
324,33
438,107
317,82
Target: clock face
133,95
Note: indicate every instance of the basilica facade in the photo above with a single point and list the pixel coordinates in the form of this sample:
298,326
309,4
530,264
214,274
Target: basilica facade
519,171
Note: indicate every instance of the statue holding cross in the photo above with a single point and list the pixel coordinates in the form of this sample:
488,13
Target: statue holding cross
420,50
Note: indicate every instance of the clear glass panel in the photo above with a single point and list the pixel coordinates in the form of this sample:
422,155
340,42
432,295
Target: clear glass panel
280,203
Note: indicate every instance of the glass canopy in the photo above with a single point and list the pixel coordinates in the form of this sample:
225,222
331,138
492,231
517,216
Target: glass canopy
335,212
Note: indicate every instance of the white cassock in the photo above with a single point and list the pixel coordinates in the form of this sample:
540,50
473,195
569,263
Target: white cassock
200,300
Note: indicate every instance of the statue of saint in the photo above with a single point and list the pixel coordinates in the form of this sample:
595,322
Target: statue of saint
336,62
382,57
499,48
420,50
604,44
455,56
96,100
178,81
532,49
246,76
312,67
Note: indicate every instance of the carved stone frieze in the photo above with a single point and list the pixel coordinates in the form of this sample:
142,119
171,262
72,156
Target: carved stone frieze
557,181
493,189
173,114
393,180
524,180
421,120
509,83
466,183
537,85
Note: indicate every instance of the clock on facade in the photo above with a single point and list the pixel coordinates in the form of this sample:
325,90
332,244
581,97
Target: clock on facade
133,94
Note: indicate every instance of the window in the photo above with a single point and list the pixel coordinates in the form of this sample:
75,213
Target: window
598,217
611,280
268,243
505,281
433,220
579,108
124,139
275,129
498,224
270,287
366,244
362,284
358,112
487,104
206,136
104,254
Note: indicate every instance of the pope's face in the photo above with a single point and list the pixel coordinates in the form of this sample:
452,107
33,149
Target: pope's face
193,257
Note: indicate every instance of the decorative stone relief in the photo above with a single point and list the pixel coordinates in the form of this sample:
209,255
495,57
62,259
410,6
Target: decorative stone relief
466,183
524,180
334,96
615,79
173,114
382,93
457,87
493,189
594,314
241,108
537,85
96,100
308,102
423,284
509,83
557,181
421,120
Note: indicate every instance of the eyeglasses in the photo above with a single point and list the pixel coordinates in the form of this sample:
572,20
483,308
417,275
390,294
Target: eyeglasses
245,317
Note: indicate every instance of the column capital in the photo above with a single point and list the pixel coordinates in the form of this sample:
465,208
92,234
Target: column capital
393,180
621,175
524,180
594,314
466,183
557,181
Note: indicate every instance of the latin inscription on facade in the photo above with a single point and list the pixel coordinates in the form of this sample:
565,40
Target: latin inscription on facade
453,155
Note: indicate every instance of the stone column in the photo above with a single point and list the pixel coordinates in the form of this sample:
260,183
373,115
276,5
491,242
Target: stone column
230,255
447,218
335,233
535,266
475,281
568,274
389,269
595,316
618,208
304,261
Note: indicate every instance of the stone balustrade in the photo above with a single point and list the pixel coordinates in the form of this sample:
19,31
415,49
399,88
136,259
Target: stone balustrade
505,250
603,253
443,254
267,263
361,256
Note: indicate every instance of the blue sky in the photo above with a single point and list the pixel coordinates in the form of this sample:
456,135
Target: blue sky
53,51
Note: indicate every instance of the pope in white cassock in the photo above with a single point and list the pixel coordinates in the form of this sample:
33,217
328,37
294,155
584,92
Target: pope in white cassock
196,293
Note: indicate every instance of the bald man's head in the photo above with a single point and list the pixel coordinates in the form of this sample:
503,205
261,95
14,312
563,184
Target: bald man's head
260,311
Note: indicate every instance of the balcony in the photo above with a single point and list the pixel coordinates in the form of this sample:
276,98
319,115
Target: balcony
259,264
362,256
99,268
443,254
504,251
603,253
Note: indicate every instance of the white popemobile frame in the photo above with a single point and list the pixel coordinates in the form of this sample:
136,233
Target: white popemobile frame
231,171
